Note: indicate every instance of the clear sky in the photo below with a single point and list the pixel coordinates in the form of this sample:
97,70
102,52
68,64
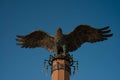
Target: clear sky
99,61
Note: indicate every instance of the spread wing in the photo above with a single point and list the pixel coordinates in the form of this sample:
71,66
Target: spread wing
85,33
36,39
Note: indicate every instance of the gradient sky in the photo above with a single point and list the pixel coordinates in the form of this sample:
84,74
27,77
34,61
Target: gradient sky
99,61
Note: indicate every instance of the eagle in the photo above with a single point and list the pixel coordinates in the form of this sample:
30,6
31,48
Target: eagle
64,43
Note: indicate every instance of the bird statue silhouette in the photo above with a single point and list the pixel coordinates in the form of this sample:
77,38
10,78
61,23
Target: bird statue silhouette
64,43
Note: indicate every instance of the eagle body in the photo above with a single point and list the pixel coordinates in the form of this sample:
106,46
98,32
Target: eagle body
60,42
64,43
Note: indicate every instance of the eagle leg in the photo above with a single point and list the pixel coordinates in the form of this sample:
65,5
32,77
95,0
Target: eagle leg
64,49
57,51
60,50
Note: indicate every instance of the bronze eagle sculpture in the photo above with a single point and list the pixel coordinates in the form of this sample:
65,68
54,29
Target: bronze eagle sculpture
64,43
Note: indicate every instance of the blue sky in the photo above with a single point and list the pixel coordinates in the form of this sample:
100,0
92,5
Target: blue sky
99,61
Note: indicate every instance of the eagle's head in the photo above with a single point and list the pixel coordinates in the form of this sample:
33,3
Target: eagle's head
59,33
